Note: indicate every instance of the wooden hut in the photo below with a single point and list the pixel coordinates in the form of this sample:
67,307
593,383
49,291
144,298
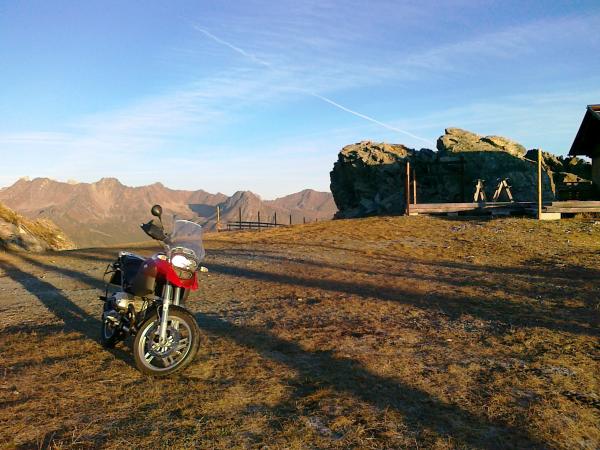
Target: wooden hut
587,141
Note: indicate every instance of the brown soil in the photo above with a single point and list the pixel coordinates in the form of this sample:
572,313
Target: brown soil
374,333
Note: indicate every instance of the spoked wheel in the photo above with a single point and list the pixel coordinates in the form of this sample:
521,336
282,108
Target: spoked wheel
183,339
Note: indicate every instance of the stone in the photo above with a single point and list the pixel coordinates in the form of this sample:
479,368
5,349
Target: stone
569,169
578,166
369,178
457,140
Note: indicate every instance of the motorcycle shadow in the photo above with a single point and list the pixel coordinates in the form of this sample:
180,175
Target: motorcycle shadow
74,318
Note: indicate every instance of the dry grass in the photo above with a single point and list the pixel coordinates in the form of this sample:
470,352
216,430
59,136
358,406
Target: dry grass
376,333
43,229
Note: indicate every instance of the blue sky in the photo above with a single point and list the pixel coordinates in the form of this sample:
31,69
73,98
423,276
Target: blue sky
262,95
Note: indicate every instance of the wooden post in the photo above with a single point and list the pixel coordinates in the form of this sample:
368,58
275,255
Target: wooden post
290,219
539,185
275,217
462,178
407,188
414,187
240,217
218,217
303,219
259,221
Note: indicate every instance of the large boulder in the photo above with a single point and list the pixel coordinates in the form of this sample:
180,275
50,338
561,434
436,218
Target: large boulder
369,178
457,140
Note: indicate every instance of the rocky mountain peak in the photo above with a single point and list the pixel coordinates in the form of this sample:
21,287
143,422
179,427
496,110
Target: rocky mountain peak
108,212
109,181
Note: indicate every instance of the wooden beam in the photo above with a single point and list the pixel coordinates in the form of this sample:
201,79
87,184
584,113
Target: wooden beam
539,184
407,188
577,203
414,187
462,178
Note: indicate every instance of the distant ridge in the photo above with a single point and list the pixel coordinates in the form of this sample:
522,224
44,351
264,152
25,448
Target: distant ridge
108,212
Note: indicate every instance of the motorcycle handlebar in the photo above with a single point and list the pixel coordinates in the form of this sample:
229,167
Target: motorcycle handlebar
154,231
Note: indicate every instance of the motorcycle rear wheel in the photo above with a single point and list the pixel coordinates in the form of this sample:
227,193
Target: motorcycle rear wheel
109,334
183,342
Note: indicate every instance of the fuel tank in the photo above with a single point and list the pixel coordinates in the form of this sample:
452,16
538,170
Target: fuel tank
144,281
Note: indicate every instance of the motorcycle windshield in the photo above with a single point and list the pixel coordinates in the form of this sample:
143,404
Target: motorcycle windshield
187,235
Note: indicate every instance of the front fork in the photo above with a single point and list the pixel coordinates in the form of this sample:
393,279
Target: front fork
170,295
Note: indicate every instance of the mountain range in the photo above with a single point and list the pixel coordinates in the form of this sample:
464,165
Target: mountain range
107,212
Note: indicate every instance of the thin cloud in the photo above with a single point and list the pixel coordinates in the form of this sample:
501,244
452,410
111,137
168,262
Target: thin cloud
232,47
370,119
313,94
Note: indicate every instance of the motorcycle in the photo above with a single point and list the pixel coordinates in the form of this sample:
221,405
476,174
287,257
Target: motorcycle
149,299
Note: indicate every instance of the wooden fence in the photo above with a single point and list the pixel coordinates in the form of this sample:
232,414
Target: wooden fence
249,225
253,224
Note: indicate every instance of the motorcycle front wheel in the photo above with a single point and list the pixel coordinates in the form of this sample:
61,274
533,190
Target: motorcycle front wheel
177,352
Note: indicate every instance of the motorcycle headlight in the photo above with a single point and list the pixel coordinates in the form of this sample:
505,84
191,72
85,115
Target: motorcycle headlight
183,262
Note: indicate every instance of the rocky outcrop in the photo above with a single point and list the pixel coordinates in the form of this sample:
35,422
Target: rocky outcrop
369,178
20,234
456,140
569,169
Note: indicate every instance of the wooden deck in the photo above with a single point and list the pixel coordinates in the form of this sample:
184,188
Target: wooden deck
573,206
551,209
475,208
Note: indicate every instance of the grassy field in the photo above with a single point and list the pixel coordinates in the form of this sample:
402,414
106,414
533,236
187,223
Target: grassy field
399,332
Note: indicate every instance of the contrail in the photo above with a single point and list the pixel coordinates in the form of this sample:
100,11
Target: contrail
370,119
232,47
266,64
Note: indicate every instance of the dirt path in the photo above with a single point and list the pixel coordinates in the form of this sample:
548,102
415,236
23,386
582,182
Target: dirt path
379,333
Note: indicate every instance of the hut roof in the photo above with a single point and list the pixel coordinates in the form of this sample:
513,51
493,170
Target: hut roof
587,141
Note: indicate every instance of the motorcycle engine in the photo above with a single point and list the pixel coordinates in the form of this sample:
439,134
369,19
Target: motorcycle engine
122,300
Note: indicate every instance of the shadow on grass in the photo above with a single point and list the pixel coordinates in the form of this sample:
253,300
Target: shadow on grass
53,298
453,305
578,321
541,281
420,409
582,273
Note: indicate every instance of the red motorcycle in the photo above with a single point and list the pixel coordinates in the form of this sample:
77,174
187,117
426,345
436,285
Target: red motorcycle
149,300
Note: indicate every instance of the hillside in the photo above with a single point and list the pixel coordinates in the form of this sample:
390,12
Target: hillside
108,212
378,333
19,233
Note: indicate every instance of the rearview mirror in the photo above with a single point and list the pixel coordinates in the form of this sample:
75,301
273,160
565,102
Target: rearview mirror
157,211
